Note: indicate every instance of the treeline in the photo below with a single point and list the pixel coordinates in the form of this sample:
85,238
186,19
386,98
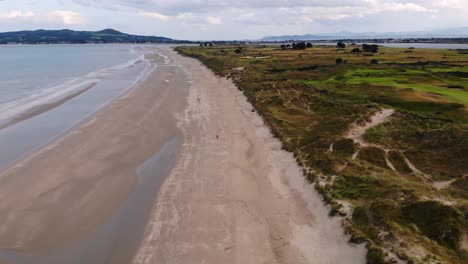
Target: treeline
77,37
297,46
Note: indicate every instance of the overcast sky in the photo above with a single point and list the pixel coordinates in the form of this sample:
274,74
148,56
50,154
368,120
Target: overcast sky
233,19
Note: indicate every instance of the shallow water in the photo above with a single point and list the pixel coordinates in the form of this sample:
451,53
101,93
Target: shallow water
28,69
19,140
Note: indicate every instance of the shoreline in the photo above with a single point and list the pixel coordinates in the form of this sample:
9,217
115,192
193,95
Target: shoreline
81,179
26,132
40,109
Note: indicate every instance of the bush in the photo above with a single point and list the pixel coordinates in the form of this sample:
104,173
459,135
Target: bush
375,256
339,61
370,48
299,46
309,45
345,146
438,222
356,50
374,156
374,61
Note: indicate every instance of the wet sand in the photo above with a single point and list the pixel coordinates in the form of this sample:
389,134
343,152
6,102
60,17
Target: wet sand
64,204
231,195
35,111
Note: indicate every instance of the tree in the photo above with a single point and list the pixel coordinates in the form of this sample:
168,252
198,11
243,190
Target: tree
370,48
339,61
340,45
283,47
309,45
299,46
210,44
356,50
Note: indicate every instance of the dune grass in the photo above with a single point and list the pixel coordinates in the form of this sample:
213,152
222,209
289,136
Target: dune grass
309,102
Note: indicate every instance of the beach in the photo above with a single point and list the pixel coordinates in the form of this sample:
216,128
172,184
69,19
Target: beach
180,169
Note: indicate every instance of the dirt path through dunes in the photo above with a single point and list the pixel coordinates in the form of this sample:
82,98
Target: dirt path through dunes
235,196
357,131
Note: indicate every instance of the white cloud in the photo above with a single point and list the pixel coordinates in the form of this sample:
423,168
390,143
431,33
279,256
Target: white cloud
154,15
451,4
17,14
183,17
66,17
213,20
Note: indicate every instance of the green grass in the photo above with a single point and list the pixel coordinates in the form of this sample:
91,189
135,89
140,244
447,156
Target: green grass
395,79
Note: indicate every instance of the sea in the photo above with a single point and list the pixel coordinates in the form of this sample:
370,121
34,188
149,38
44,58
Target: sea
46,90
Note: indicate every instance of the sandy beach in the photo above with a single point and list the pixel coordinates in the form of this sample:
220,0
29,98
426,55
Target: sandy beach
179,170
235,196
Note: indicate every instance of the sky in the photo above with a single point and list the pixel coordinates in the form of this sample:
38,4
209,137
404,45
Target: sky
231,19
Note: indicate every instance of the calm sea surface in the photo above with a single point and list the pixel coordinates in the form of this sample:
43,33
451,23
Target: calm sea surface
45,90
28,69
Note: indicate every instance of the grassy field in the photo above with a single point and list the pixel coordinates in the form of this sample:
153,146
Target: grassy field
414,209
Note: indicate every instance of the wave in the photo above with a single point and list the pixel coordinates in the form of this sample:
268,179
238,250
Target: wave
17,110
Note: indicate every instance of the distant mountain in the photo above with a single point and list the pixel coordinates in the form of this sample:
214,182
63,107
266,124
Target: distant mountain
70,36
461,32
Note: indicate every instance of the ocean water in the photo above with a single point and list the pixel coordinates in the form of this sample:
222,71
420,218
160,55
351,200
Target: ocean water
28,69
45,90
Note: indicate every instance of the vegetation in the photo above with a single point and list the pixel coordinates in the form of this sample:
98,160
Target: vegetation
310,98
70,36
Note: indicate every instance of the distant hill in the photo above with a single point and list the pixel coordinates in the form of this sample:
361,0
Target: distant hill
461,32
70,36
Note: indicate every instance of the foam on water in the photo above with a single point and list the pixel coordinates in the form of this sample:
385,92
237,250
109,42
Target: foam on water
14,109
30,122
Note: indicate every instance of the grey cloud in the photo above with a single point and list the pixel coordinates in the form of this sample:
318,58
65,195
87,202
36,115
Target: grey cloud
171,7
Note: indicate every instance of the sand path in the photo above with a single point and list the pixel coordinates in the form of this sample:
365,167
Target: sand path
235,196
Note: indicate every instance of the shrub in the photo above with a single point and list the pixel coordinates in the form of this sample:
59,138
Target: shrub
374,156
299,46
370,48
374,61
375,256
339,61
438,222
345,146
